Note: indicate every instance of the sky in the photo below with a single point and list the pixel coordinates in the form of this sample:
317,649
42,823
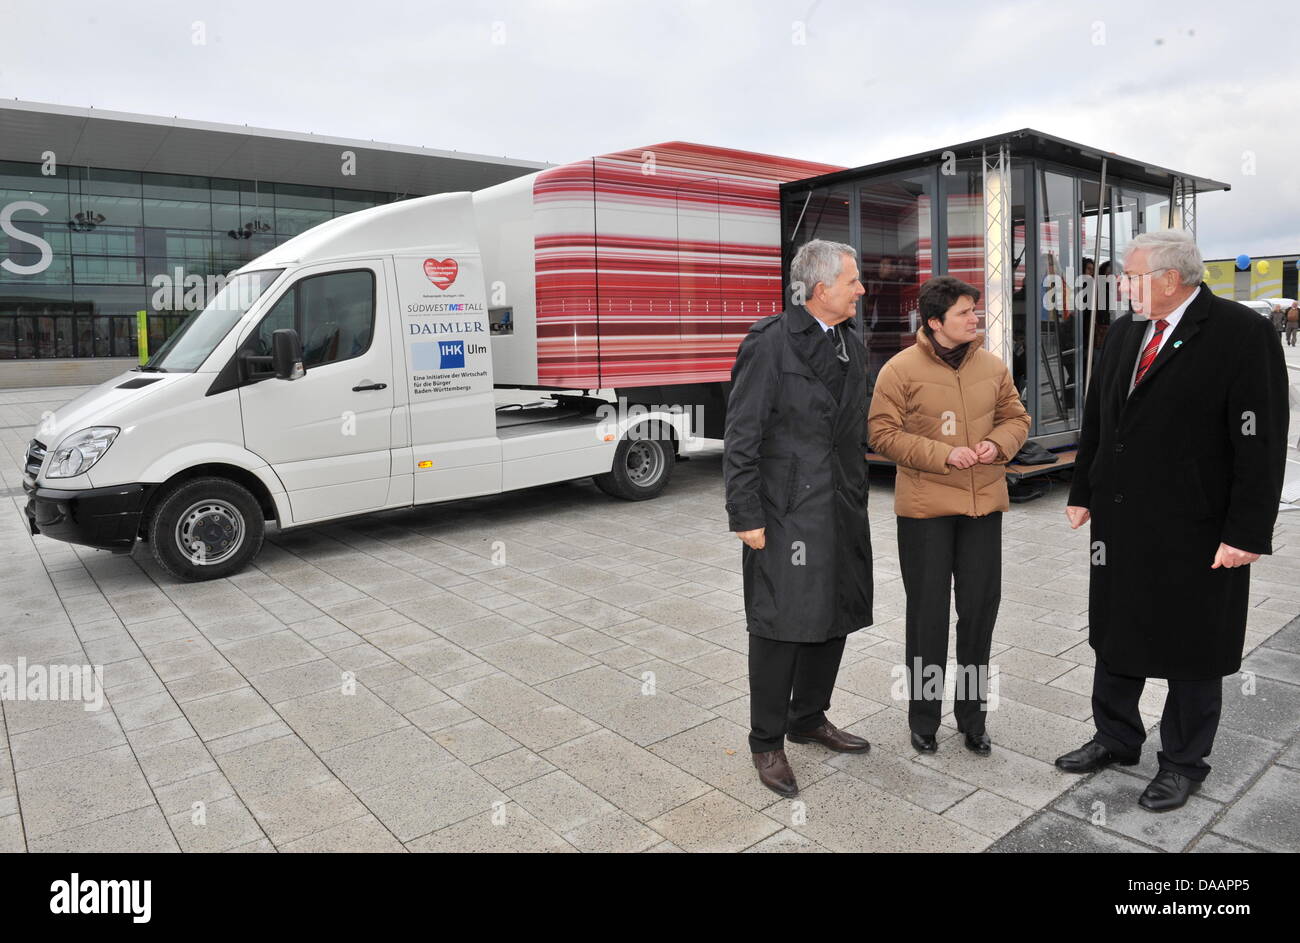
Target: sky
1211,89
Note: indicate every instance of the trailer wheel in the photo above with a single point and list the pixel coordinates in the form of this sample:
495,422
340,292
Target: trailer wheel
643,463
205,529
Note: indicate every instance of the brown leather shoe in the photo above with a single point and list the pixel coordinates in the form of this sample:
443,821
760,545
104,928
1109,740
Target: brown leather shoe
775,773
831,737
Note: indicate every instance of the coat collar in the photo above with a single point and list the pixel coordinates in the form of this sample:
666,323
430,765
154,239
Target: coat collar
1189,325
811,347
924,342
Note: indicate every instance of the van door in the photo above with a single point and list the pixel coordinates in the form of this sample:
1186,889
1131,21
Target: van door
327,435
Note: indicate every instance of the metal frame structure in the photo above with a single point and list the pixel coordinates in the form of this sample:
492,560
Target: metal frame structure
998,275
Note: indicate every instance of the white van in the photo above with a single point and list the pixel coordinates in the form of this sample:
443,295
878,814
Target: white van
349,370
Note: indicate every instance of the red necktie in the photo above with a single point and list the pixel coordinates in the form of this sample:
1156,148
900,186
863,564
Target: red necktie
1152,348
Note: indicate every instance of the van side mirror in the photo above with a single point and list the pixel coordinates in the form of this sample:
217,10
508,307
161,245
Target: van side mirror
286,354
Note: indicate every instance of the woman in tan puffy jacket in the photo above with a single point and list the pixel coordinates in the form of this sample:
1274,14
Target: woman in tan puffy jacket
948,414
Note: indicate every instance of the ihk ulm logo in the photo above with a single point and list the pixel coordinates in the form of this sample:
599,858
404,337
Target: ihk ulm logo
451,354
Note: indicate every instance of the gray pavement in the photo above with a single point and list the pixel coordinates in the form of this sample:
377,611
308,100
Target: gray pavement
392,683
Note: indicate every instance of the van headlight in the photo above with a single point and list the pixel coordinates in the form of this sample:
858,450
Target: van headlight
79,451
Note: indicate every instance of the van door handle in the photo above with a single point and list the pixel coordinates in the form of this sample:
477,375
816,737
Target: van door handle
369,386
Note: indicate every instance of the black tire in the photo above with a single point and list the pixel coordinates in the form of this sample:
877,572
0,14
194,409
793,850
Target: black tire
643,464
205,529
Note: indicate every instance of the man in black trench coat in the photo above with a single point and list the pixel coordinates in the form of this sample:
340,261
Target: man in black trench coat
794,465
1180,469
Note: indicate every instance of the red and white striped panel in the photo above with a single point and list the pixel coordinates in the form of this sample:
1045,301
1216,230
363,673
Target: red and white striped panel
652,263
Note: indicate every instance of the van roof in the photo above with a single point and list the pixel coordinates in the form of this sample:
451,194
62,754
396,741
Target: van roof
443,222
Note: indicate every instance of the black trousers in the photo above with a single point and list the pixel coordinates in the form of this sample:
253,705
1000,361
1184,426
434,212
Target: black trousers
790,687
934,554
1187,726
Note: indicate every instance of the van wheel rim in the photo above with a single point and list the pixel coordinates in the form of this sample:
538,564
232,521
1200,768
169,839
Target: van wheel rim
210,532
644,463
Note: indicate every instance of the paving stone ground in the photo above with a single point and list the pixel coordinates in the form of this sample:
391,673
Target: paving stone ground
393,683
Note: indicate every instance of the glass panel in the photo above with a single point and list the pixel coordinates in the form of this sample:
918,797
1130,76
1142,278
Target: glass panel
107,270
349,201
1095,276
178,214
56,204
896,260
338,316
110,300
179,243
1019,295
280,317
123,335
1156,213
64,345
58,271
106,198
291,222
89,239
225,190
28,176
33,311
85,336
1057,346
8,338
825,215
964,192
44,337
25,338
188,348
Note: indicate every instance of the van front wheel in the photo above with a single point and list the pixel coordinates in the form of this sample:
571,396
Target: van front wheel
205,529
643,463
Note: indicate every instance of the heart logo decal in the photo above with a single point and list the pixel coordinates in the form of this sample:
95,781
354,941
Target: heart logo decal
441,273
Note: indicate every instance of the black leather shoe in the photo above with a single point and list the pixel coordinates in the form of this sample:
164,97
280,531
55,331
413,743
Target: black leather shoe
1168,791
831,737
979,743
774,772
924,742
1091,757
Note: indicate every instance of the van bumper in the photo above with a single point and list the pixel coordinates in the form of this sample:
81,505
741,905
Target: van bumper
103,518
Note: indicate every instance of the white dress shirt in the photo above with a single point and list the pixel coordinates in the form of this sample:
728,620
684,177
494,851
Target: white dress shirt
825,327
1173,317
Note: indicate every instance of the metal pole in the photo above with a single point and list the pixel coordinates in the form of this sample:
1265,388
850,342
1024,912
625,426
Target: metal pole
1096,271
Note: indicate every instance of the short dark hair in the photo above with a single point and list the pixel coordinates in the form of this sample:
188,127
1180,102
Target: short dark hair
941,293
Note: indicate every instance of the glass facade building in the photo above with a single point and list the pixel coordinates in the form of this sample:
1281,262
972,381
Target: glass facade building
113,242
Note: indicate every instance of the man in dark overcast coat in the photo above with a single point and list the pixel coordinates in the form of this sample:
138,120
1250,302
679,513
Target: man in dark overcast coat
795,470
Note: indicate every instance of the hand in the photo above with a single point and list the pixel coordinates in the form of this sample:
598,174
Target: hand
753,539
1078,516
986,452
962,457
1231,556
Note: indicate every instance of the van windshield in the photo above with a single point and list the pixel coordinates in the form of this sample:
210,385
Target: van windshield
189,346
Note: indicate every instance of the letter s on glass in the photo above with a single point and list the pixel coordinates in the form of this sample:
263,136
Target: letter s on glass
13,232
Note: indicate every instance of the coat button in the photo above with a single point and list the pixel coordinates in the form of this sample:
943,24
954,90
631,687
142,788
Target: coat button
1119,446
1119,498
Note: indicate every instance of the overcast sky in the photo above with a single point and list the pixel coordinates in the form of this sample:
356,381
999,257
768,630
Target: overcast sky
1201,87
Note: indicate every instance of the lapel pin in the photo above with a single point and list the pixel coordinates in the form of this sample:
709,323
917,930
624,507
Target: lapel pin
1177,344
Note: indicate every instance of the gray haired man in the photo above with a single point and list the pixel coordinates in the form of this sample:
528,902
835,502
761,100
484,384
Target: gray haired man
1179,470
795,469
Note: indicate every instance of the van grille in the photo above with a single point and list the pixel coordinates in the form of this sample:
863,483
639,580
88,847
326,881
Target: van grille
35,458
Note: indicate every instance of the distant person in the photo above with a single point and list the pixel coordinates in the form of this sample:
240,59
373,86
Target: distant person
1179,468
1292,323
1278,317
948,414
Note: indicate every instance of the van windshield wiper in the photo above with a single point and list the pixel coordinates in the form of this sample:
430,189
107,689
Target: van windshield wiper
148,369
